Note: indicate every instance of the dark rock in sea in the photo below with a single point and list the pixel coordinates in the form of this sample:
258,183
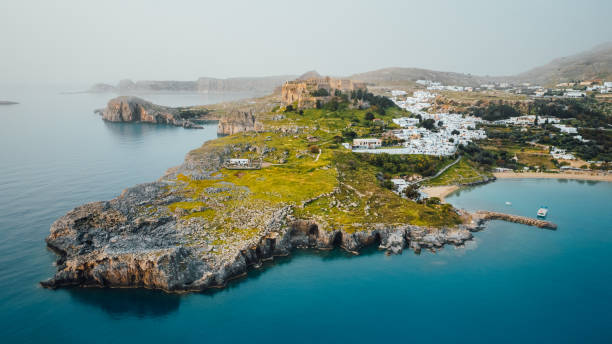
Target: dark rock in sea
134,109
6,102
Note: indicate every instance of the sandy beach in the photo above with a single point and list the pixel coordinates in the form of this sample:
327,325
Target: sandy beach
604,177
439,191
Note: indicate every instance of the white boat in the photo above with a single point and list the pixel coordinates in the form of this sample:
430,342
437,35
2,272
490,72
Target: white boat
508,203
543,211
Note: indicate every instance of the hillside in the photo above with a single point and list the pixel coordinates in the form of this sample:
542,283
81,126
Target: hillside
400,76
594,63
591,64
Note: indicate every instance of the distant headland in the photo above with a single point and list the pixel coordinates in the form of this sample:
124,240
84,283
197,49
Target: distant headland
6,102
257,85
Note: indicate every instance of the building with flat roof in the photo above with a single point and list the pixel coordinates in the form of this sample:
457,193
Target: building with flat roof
367,143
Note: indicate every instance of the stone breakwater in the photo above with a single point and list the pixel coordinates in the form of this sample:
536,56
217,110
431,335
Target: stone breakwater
483,215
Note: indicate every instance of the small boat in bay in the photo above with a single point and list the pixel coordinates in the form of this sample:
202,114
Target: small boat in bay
543,211
508,203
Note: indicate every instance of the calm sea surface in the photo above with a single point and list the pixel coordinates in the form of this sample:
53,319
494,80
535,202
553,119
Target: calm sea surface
511,284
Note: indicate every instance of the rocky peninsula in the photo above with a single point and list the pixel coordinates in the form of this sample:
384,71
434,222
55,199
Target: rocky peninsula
206,222
157,235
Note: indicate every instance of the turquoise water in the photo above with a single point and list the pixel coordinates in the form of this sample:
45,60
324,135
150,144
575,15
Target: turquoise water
511,284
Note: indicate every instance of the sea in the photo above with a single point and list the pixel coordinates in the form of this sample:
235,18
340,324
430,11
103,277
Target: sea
511,284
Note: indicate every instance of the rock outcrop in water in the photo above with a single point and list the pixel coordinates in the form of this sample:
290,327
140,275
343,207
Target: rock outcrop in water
129,242
134,109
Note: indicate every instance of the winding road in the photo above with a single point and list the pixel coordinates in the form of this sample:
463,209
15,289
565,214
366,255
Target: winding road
439,172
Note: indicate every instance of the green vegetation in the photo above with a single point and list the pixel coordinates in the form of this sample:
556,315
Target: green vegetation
586,112
495,112
309,171
362,201
463,172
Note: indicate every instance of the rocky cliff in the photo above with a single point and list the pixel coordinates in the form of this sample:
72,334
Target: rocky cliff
236,122
156,236
134,109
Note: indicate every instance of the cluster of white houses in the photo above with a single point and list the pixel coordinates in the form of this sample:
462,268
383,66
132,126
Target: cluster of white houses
437,86
527,120
418,101
451,130
565,89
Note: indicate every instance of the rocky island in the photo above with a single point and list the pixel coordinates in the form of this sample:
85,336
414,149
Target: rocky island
134,109
6,102
280,180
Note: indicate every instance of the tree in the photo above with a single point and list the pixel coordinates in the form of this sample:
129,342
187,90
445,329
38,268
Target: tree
321,92
314,149
369,116
412,192
289,108
337,139
455,132
433,201
349,134
388,184
428,124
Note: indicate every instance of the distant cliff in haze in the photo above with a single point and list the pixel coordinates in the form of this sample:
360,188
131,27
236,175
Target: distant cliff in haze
261,85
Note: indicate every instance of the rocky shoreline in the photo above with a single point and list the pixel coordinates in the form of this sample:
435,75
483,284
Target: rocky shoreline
125,243
89,256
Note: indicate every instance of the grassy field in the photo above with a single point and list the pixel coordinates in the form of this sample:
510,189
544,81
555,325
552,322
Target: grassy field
337,188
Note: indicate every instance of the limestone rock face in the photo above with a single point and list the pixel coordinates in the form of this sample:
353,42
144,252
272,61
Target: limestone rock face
236,122
134,109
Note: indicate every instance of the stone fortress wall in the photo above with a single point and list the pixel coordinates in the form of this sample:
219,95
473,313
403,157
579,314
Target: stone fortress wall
300,91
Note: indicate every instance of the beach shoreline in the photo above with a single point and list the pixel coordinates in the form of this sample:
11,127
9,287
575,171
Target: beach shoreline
440,191
604,177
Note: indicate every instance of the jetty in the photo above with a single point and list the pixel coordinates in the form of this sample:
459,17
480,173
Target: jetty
484,215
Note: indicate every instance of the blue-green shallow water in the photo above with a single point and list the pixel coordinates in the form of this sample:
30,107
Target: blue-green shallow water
513,283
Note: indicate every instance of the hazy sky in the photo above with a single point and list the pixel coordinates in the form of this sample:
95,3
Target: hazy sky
107,40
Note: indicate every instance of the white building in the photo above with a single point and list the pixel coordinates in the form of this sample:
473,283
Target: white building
574,94
239,162
367,143
565,129
400,184
562,154
406,122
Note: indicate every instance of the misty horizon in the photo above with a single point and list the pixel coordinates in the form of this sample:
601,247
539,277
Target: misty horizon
107,42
